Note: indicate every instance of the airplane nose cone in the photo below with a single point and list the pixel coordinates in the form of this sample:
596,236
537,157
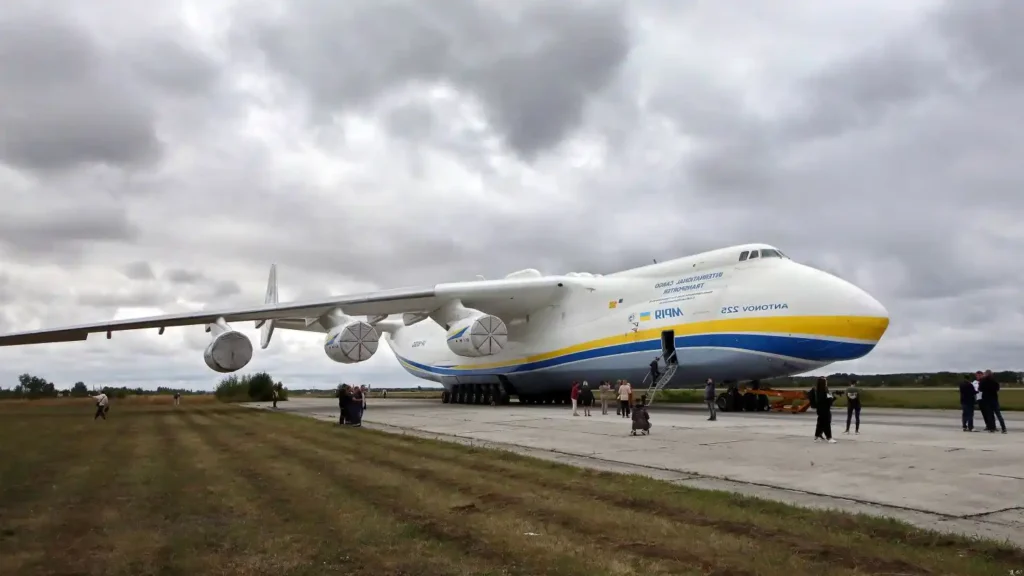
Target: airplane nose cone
866,318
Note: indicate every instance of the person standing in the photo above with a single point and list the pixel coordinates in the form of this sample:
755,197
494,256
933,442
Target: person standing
709,399
990,424
852,406
989,387
102,405
968,397
586,398
177,398
823,400
366,393
574,395
357,406
625,392
343,404
603,390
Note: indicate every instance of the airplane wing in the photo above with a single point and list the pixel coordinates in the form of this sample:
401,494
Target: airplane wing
507,299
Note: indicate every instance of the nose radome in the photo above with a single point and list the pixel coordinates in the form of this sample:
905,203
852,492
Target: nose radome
869,319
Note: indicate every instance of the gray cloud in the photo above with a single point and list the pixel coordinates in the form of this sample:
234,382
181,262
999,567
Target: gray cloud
533,68
177,276
139,271
363,146
63,102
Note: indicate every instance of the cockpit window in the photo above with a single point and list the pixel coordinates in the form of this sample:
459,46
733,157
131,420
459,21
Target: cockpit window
753,254
744,255
769,253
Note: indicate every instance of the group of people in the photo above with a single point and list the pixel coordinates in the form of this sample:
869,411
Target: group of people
628,404
351,404
982,392
822,400
582,396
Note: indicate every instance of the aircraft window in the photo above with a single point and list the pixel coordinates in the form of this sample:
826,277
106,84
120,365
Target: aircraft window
753,254
744,255
769,253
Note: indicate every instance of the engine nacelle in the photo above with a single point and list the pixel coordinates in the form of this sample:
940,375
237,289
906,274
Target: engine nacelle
352,341
229,351
478,335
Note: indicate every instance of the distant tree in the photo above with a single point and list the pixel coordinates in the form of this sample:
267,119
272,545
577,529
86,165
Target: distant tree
36,387
258,387
261,387
79,390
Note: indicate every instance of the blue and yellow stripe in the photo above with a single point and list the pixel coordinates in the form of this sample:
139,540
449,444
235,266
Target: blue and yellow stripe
812,338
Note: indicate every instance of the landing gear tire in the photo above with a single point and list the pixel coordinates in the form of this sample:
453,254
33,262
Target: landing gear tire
723,402
446,397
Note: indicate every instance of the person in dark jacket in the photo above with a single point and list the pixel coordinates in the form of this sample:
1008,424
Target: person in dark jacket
967,400
989,388
823,400
586,398
852,406
709,399
343,404
641,418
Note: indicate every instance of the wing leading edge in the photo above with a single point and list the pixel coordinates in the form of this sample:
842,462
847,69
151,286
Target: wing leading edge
505,298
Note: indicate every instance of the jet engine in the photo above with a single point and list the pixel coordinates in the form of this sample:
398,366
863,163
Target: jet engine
351,341
478,335
229,351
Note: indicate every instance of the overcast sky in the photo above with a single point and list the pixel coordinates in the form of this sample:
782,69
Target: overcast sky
159,156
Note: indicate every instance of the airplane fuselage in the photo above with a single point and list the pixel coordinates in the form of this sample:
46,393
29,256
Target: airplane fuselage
726,319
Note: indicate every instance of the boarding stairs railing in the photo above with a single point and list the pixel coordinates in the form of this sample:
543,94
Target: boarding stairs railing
670,370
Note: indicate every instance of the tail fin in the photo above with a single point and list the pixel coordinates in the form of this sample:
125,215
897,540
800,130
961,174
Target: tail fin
268,325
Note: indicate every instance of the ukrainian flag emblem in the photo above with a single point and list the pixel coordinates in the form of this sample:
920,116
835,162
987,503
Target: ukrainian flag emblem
614,303
645,316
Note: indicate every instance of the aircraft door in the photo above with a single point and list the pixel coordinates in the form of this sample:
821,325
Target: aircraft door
668,346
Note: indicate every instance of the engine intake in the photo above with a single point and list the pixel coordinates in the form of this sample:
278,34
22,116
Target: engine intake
351,342
229,351
478,335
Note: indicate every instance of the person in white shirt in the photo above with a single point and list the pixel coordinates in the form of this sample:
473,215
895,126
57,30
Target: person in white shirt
102,405
624,393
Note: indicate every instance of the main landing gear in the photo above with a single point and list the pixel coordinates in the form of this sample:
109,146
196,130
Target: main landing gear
758,398
483,394
551,398
736,400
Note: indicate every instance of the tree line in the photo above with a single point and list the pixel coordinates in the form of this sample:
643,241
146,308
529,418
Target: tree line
257,386
908,380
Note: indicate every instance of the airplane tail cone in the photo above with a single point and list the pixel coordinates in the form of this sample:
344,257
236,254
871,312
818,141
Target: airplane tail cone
268,325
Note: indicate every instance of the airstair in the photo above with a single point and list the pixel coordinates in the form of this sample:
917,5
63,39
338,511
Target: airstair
670,370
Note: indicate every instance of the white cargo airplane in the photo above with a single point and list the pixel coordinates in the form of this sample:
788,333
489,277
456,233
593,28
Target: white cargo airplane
735,314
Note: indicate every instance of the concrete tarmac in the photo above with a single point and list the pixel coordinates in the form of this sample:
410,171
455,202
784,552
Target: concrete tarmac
915,465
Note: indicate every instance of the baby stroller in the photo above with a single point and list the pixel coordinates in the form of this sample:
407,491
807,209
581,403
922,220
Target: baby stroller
641,419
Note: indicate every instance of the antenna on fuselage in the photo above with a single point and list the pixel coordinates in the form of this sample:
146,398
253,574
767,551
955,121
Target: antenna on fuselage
655,260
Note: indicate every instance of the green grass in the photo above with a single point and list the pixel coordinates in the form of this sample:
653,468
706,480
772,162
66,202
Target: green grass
210,488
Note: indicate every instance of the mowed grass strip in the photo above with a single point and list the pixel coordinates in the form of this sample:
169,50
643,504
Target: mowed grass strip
436,512
219,489
327,516
673,521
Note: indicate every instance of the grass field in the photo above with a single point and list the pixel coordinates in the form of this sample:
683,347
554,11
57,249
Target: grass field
209,488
